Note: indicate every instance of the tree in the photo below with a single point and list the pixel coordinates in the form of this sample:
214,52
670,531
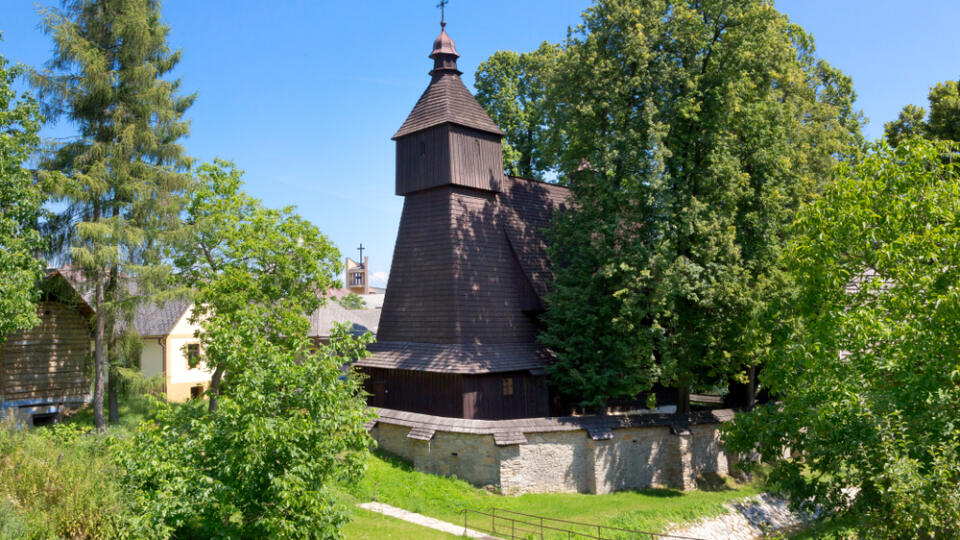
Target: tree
254,272
513,88
269,462
20,205
943,122
865,370
121,180
705,125
352,301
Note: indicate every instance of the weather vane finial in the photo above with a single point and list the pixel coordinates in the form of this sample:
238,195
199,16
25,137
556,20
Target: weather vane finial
443,16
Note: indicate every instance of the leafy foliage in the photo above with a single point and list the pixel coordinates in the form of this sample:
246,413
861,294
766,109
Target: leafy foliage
60,482
943,122
698,128
266,464
20,204
121,180
513,88
352,301
256,273
866,368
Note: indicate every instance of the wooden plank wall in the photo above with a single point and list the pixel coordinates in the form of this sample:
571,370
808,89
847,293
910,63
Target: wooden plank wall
456,395
449,154
476,158
423,160
48,361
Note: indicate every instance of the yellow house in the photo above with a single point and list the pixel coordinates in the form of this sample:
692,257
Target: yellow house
168,342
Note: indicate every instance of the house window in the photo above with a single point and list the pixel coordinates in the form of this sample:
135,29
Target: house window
193,354
508,386
358,279
196,392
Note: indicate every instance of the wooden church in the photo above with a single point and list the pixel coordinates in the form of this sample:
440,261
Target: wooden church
457,334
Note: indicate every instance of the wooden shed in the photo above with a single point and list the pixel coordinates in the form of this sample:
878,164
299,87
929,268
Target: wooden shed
45,370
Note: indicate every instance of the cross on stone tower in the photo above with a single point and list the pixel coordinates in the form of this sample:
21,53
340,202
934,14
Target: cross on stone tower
361,254
443,17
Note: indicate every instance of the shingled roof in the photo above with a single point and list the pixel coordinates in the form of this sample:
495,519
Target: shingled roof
446,99
158,319
360,321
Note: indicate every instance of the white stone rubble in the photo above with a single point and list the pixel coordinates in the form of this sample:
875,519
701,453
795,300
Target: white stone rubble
747,519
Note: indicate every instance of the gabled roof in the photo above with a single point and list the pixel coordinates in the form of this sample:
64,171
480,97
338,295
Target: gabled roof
158,319
359,320
151,319
527,207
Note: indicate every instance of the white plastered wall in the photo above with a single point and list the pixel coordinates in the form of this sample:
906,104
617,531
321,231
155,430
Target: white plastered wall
151,357
178,370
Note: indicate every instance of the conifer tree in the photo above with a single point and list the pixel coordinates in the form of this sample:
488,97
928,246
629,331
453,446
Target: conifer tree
122,179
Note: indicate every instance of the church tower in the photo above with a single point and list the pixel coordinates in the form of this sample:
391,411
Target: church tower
457,332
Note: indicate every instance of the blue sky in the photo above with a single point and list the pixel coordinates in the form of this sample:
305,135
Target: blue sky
305,94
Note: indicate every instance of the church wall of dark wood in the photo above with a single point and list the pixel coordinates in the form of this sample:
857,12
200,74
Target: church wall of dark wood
423,160
483,397
417,306
476,158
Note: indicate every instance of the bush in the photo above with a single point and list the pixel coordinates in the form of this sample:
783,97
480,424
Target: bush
60,482
866,370
267,463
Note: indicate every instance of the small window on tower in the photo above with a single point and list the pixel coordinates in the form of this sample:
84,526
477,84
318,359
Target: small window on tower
358,279
423,148
508,386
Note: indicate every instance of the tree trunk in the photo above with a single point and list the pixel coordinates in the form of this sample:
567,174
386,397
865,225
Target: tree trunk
100,361
112,384
214,392
113,377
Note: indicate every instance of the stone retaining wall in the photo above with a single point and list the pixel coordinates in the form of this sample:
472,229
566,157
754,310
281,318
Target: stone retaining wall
542,455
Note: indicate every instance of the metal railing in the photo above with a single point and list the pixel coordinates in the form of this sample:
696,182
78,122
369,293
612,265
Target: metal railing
517,525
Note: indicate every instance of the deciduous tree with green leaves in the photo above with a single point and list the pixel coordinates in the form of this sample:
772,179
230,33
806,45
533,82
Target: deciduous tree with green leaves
513,88
705,124
865,370
254,272
268,463
121,180
20,206
943,122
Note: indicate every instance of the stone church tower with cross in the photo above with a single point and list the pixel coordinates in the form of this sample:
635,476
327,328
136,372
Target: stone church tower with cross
457,334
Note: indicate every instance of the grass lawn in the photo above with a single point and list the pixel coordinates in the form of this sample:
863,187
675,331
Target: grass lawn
398,484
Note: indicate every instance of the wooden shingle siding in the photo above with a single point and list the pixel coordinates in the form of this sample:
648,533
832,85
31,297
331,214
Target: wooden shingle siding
447,101
49,361
470,269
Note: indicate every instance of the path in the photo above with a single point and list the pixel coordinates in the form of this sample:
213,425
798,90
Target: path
422,520
746,519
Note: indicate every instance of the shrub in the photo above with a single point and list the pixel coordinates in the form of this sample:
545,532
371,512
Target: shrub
60,482
266,464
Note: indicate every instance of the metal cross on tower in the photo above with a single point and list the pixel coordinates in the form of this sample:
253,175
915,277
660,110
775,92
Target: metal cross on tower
361,254
443,17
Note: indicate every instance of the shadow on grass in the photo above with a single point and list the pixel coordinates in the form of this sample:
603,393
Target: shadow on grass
393,460
713,482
